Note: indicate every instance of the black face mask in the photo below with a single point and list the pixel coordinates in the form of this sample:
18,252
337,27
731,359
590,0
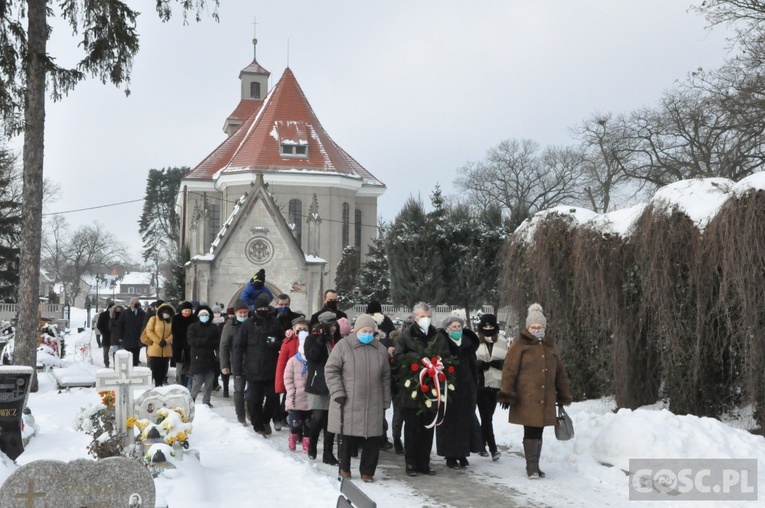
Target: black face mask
332,305
489,333
137,306
261,313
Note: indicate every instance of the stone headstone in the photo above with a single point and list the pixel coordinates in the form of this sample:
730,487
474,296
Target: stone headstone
170,396
14,389
114,481
124,379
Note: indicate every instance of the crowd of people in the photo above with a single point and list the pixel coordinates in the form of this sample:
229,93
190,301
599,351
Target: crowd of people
325,376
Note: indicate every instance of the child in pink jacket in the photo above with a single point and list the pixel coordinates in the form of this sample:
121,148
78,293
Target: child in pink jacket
296,401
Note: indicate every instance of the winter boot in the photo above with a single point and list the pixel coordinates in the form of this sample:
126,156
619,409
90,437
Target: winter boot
225,391
531,451
292,441
312,448
539,455
329,444
398,446
306,444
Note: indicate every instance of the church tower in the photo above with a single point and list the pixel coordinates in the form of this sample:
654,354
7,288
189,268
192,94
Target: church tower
278,193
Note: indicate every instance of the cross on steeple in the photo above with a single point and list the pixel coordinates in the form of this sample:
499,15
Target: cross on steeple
254,38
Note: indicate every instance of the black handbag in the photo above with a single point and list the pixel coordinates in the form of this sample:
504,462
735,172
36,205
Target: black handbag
315,383
564,426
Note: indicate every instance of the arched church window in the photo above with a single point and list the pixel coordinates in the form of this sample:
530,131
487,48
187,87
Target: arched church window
346,225
296,219
254,90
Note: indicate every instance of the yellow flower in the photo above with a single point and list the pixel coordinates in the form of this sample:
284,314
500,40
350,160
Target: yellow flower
443,398
130,422
434,392
408,383
451,387
414,394
428,403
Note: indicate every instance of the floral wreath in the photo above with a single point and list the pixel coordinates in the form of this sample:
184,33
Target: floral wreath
172,425
427,377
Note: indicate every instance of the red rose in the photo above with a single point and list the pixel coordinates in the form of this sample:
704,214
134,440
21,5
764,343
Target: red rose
425,388
441,376
450,369
415,368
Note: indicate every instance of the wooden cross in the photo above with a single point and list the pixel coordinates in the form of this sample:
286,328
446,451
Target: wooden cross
30,495
124,379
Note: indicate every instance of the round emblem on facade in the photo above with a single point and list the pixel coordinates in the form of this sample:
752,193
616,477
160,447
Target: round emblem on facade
259,251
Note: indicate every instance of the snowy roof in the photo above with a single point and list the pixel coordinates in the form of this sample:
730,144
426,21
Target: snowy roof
135,278
285,117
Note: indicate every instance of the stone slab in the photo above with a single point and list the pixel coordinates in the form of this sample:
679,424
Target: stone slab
115,481
73,376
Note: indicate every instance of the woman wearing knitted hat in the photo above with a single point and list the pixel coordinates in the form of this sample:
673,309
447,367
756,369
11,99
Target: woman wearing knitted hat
534,379
358,378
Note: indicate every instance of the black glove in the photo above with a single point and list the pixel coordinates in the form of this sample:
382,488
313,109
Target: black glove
485,365
497,364
162,343
504,405
340,400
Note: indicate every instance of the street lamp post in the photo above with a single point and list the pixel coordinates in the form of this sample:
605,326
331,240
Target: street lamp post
98,283
113,284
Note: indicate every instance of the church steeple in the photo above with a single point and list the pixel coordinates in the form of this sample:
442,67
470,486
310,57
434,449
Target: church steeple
254,77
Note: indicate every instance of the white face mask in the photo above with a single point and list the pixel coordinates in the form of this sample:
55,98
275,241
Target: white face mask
424,324
302,334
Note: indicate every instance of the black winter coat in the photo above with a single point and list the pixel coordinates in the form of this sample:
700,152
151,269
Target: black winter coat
256,348
204,339
412,339
460,432
130,325
114,329
317,348
181,348
103,326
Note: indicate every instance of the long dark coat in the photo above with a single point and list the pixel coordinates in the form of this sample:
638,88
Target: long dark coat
534,379
317,348
412,339
130,325
181,348
103,326
204,339
256,348
459,433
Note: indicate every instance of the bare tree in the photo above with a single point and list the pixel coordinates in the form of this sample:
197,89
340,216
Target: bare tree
521,180
607,152
91,247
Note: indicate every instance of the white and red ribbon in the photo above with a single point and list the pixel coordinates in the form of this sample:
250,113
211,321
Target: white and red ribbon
433,370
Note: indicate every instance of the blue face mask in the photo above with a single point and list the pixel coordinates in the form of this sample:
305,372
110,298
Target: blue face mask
539,335
204,319
282,309
241,319
366,338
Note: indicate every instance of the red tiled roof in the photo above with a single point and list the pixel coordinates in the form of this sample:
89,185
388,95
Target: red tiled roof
245,108
285,116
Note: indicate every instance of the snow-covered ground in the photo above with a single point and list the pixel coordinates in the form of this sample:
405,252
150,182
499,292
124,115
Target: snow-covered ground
239,468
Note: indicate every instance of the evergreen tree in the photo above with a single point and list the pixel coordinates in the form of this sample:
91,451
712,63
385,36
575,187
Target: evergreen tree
346,278
374,276
175,285
414,257
10,226
159,224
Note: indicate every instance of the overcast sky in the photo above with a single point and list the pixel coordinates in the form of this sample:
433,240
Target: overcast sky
411,89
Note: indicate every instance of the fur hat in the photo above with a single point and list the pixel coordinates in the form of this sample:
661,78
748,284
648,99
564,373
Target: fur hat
451,319
262,300
241,305
364,320
535,316
379,318
345,326
327,317
488,321
185,305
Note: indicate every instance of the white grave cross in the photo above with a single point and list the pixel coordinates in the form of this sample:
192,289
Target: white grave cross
124,379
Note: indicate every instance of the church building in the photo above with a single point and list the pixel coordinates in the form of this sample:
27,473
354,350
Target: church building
279,194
